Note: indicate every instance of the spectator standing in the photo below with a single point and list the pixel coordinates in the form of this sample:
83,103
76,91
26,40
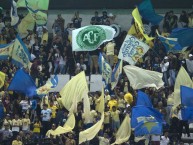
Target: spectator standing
46,116
76,20
61,22
95,20
105,19
190,20
165,139
183,20
189,65
164,69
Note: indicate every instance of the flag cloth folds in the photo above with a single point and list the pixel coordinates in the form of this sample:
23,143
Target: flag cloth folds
184,36
105,69
27,23
20,54
74,90
148,13
187,103
143,99
14,15
5,50
91,132
35,5
89,38
2,79
37,9
132,50
51,83
170,44
140,78
146,121
116,74
68,126
124,131
182,79
23,83
138,20
186,96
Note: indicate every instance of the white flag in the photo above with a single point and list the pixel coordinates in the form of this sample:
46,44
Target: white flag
140,78
132,49
14,15
89,38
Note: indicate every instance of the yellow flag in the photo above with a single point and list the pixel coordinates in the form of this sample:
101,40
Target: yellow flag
91,132
138,20
74,90
2,79
27,23
182,79
124,131
68,126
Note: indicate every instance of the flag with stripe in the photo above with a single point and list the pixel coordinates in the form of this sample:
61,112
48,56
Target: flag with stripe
20,54
116,74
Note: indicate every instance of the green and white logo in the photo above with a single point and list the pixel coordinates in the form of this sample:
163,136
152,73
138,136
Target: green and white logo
91,37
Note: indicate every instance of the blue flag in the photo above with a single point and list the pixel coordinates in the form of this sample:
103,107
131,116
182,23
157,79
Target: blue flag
184,36
116,74
5,50
54,81
170,44
143,99
23,83
147,11
20,54
105,69
2,113
146,121
187,102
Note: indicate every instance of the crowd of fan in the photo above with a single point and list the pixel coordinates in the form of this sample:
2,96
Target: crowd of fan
24,124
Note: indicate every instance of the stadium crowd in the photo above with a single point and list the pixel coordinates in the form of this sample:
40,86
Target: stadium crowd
23,124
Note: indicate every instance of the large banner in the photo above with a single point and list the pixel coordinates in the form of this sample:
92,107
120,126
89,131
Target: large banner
132,49
89,38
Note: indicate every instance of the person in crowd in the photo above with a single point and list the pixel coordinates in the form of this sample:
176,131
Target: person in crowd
26,123
46,117
61,22
105,19
17,141
110,49
7,134
183,20
36,128
190,20
96,19
189,65
16,124
115,120
165,139
76,20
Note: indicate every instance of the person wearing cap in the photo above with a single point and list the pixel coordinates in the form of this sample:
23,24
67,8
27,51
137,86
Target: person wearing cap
189,65
95,20
164,69
112,102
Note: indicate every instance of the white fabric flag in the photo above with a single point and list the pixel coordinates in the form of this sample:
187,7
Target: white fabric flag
140,78
132,49
89,38
14,15
124,131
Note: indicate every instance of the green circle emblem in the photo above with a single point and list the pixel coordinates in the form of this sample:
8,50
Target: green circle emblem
90,37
